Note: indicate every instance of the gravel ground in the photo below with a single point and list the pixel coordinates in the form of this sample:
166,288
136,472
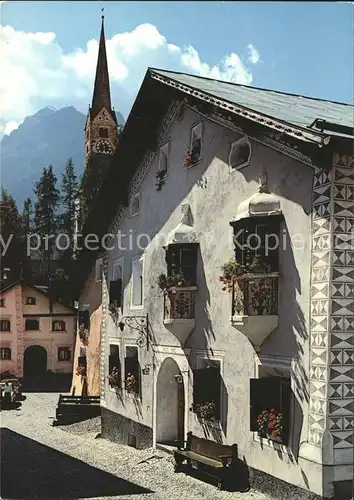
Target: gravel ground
42,461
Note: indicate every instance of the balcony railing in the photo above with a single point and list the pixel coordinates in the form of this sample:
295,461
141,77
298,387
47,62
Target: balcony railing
255,296
179,303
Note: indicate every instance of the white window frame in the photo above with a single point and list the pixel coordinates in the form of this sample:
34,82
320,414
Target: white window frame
202,355
196,126
99,269
128,394
247,162
287,365
65,346
164,149
132,305
135,196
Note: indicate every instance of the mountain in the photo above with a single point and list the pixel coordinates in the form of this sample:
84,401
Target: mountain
50,136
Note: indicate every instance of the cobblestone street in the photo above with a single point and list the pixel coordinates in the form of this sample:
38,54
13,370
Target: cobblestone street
41,461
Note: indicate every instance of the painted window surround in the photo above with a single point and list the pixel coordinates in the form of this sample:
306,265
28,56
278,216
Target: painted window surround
205,354
288,365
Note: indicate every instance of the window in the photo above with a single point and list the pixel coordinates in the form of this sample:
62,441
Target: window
5,353
163,160
270,393
255,241
64,354
132,370
84,319
58,326
99,269
135,204
196,142
240,153
103,132
2,302
5,325
116,285
31,301
207,390
114,368
137,288
182,259
31,324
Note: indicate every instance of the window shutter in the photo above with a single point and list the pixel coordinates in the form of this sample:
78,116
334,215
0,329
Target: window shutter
115,292
212,387
264,394
188,262
84,318
267,393
206,386
130,366
82,360
285,399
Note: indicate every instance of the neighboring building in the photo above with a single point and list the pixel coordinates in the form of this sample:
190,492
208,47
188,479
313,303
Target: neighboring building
204,161
37,334
101,139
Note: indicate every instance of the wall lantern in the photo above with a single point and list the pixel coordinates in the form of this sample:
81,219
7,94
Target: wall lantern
146,369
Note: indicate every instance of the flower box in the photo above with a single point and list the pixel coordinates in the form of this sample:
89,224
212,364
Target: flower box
114,378
205,411
131,384
81,370
270,425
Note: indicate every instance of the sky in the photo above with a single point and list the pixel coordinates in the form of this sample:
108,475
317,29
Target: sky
48,50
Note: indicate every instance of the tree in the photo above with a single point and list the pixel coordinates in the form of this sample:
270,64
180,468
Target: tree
46,207
69,188
27,216
13,250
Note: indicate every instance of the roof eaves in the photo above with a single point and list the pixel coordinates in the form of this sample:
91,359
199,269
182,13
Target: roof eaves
300,133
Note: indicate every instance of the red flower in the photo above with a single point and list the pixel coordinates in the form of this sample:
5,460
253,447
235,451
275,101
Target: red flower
274,434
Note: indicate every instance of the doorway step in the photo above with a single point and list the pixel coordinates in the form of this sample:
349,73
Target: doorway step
167,447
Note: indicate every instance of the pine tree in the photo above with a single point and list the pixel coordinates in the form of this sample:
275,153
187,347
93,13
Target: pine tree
69,188
12,238
46,207
27,216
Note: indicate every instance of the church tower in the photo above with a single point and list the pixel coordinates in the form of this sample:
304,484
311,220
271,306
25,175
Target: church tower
101,129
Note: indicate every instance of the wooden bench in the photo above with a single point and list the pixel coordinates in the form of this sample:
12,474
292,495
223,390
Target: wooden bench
75,408
217,460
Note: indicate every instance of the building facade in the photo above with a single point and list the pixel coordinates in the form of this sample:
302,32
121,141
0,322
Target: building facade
37,334
206,330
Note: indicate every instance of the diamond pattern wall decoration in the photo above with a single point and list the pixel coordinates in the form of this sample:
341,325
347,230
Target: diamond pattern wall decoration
332,305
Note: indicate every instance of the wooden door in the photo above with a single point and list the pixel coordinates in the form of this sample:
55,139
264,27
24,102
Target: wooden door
180,411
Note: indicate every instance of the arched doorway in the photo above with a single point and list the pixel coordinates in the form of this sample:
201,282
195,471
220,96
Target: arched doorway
34,362
169,403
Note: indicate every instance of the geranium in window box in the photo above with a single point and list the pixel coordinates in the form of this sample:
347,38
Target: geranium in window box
160,179
232,271
191,158
81,370
114,378
83,334
206,411
114,310
169,284
130,383
270,425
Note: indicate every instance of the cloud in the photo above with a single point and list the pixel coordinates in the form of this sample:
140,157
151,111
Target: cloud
8,127
39,73
253,54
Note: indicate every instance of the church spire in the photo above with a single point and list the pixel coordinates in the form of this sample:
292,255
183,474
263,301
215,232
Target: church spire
101,92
